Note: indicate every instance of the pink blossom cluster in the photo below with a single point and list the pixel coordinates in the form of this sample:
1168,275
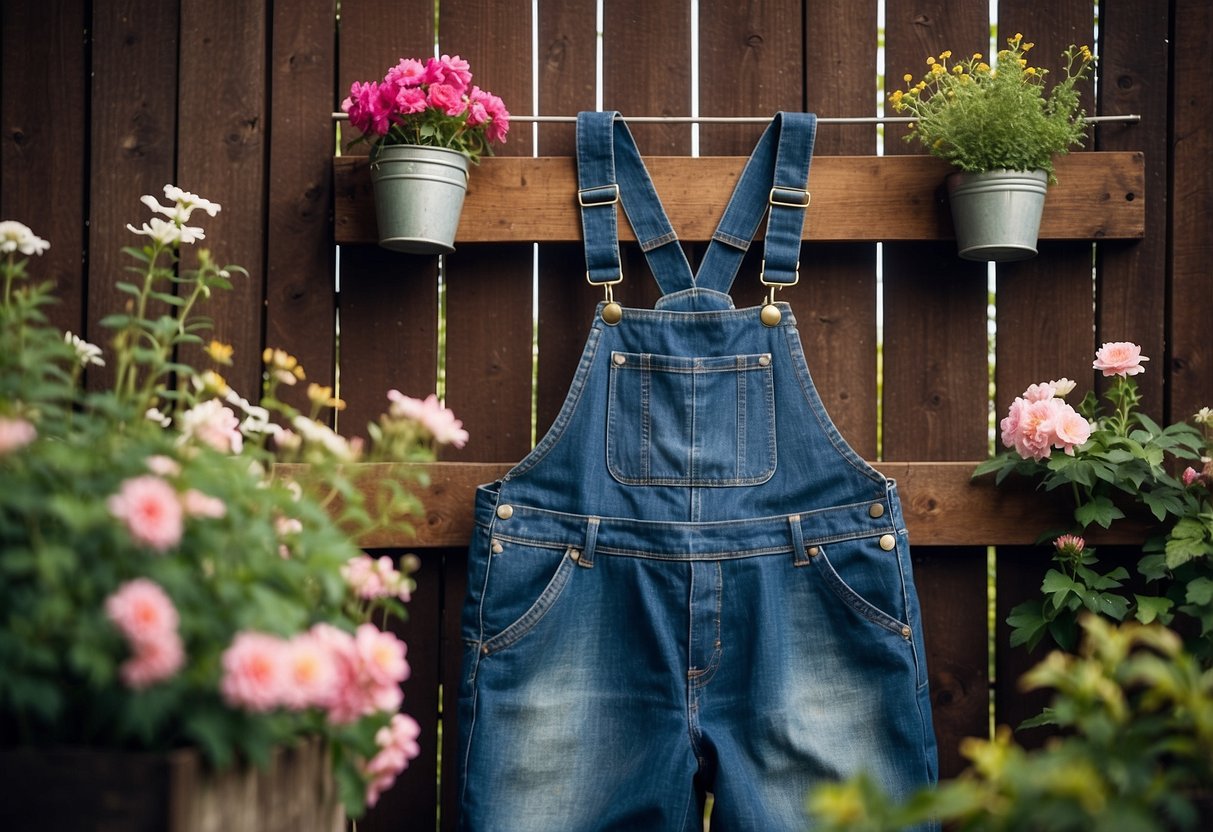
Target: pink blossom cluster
429,413
1203,477
443,85
15,434
1040,420
397,743
153,511
372,578
145,615
347,675
213,423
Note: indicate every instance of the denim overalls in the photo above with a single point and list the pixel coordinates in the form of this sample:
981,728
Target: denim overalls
691,584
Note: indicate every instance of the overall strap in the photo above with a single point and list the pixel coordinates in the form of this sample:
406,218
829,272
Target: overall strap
776,177
609,171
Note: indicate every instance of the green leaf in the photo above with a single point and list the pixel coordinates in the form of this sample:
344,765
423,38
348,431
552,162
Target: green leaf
1099,510
1150,607
1161,503
1200,591
1055,583
1027,624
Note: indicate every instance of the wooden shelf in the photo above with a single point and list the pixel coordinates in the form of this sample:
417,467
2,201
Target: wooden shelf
1099,196
943,505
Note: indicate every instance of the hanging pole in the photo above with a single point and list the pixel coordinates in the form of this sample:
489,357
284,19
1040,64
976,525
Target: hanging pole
1131,118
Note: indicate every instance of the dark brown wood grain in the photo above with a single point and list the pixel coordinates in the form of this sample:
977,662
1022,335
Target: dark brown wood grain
221,152
301,304
132,143
43,163
1190,368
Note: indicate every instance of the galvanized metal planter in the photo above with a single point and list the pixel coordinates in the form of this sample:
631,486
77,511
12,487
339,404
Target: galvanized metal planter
418,197
996,214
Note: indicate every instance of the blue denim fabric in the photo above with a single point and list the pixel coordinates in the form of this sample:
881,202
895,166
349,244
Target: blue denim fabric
691,584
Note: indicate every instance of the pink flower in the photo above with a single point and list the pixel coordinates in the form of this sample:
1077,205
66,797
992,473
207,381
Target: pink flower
151,510
372,578
153,661
410,72
197,504
163,466
411,100
214,424
370,106
446,98
382,666
1034,427
477,115
1039,392
1119,358
15,434
254,672
456,72
1062,387
499,117
397,742
141,610
1070,429
145,615
1190,475
1070,544
438,421
310,673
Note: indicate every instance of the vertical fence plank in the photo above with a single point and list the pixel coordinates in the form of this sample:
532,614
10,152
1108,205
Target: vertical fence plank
450,642
567,47
221,112
132,141
44,60
1134,64
489,288
1046,330
1191,214
387,302
935,387
301,304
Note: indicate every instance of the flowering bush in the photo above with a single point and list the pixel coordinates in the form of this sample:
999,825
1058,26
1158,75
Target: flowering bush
163,583
433,104
1108,461
983,118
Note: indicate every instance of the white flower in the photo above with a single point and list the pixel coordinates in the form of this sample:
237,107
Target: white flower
86,353
189,202
16,236
1204,416
159,418
332,442
1063,387
166,233
211,423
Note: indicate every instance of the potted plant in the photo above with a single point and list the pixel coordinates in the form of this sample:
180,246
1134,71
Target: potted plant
424,122
168,591
1001,129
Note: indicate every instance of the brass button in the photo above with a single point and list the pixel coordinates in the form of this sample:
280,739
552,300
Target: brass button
770,315
905,632
619,359
612,313
497,548
876,510
505,512
814,551
888,542
574,555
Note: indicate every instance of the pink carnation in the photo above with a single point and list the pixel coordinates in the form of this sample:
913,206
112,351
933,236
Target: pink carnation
151,510
1119,358
370,107
446,98
254,672
411,100
410,72
15,434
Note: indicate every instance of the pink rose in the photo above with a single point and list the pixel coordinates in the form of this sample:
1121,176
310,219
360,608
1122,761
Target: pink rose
1039,392
410,72
141,610
1119,358
310,673
151,510
254,672
382,666
1070,429
1190,476
197,504
446,98
15,434
456,72
411,100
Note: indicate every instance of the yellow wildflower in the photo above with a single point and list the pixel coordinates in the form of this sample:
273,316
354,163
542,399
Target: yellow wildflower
322,395
920,86
945,54
983,67
219,352
977,56
938,69
907,77
212,382
930,61
1030,70
1028,46
896,97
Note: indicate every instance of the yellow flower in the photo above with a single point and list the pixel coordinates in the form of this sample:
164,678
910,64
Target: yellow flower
1028,46
938,69
920,86
1015,40
1030,70
945,54
323,396
930,61
983,67
977,56
214,383
1023,61
907,77
896,97
219,352
958,68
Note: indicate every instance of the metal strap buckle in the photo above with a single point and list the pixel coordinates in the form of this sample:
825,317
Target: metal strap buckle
598,196
593,282
762,276
789,197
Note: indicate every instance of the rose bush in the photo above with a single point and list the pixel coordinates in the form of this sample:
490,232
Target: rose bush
164,582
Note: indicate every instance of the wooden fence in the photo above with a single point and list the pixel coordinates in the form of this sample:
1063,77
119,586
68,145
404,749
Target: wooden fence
232,99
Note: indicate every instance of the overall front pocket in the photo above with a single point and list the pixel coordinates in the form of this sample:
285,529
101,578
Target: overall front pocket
691,421
524,581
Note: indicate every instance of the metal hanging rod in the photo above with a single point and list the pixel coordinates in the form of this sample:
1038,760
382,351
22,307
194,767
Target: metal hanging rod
1130,118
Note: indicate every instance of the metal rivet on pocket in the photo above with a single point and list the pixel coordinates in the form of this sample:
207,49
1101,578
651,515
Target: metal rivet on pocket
574,555
876,510
505,512
619,359
764,360
814,551
497,548
888,542
905,632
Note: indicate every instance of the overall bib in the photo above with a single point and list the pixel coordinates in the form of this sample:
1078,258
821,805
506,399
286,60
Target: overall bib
692,584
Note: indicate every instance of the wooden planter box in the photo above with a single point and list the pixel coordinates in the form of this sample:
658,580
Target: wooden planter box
80,790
